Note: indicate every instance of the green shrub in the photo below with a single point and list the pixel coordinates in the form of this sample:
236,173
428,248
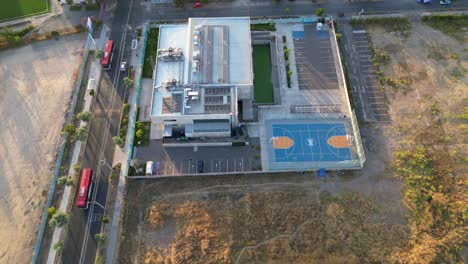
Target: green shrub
100,238
59,219
58,246
319,12
81,133
125,108
51,211
76,167
75,8
118,141
150,53
263,27
84,116
238,143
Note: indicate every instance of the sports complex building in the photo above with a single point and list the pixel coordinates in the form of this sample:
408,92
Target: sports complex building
203,69
208,82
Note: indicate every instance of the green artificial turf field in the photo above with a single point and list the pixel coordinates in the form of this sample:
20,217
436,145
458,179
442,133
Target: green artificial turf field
263,87
11,9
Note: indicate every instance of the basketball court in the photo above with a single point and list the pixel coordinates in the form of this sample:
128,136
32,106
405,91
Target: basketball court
308,144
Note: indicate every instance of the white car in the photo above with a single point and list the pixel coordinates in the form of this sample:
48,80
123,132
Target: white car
149,168
123,66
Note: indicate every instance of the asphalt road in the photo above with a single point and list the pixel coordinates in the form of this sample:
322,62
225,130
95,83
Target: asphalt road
272,8
81,246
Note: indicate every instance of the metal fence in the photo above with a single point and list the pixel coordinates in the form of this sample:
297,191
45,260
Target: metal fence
137,98
361,156
40,235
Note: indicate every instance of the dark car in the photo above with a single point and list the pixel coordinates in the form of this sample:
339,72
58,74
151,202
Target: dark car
201,166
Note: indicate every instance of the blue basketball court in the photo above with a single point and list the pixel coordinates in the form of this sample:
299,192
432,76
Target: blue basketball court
307,144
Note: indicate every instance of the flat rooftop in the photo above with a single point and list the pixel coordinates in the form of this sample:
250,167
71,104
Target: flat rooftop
196,59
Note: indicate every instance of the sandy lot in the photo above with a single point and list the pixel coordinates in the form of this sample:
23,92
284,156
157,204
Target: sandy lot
36,84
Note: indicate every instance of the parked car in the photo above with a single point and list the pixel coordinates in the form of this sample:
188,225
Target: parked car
445,2
123,66
197,5
426,2
149,168
201,166
156,167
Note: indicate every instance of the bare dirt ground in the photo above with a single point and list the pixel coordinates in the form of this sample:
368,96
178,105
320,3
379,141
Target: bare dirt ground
357,218
263,219
35,88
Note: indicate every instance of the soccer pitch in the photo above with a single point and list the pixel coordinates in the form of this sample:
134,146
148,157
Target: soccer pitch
11,9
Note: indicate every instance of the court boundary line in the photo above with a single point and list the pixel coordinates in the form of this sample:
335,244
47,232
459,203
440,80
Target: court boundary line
321,153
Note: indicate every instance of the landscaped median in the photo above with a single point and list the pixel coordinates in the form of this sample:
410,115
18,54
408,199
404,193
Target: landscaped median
122,136
286,61
150,52
263,27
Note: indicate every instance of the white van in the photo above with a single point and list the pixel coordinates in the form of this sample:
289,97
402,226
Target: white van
149,168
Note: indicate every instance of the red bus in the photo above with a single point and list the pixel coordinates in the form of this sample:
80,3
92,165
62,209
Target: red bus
84,191
106,60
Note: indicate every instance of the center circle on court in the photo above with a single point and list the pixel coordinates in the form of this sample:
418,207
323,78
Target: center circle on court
311,142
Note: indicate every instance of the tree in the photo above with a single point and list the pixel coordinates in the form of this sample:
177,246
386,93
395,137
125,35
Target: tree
129,82
118,141
70,129
69,2
139,133
76,167
100,238
69,181
319,12
51,211
178,3
58,246
84,116
58,220
98,54
139,125
91,92
62,180
286,10
81,133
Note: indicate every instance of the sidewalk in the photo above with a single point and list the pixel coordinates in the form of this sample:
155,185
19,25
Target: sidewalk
121,156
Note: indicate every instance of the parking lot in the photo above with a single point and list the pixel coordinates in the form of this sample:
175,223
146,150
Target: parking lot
314,59
195,160
369,85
